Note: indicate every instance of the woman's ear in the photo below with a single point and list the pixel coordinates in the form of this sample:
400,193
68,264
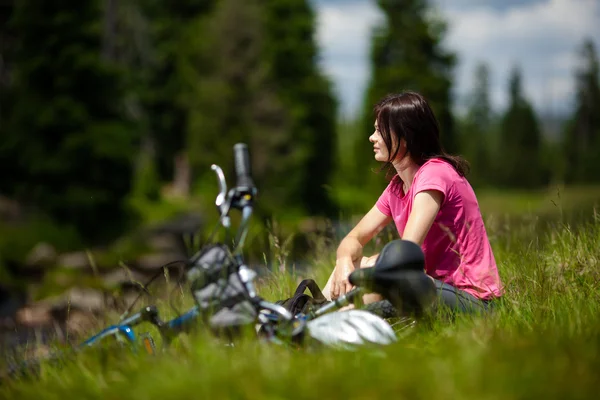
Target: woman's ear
402,149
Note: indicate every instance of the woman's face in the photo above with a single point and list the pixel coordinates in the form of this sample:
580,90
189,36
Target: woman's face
382,153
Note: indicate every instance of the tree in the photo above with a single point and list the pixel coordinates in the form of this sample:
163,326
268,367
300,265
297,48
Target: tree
291,50
582,136
407,54
68,139
251,76
476,136
174,37
229,95
7,44
519,151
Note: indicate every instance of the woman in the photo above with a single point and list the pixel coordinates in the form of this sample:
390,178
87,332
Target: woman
431,204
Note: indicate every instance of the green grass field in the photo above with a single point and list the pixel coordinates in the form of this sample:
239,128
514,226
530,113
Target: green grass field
543,341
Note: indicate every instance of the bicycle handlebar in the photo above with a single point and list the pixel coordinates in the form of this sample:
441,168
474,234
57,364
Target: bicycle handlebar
243,168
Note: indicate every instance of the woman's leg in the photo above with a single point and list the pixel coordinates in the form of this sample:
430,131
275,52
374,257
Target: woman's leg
327,289
458,300
449,298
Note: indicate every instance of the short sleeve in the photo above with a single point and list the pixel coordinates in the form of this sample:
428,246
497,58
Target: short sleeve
435,175
383,203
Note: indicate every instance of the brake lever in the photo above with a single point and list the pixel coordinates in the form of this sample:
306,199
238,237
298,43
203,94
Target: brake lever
221,197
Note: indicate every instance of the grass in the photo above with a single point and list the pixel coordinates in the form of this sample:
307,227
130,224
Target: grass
554,199
543,341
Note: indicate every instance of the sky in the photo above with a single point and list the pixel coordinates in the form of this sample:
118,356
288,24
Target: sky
542,37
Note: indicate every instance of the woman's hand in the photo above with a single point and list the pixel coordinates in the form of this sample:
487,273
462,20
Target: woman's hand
343,268
350,251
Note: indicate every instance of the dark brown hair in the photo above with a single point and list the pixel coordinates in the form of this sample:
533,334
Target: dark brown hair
408,116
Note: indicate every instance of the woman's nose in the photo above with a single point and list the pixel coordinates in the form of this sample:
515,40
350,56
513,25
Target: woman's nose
372,138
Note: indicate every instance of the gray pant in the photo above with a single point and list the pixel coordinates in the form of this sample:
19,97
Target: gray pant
449,299
457,300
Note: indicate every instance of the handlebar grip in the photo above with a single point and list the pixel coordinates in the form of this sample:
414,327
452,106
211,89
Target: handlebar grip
242,166
362,277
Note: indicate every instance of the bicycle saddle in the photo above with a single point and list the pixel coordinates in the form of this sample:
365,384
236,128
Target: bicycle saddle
399,276
401,255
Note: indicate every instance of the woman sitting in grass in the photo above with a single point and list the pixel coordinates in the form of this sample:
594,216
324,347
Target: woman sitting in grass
432,204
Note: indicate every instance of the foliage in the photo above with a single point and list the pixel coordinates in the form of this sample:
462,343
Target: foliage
67,141
132,85
231,96
174,36
476,136
260,84
581,140
307,95
520,164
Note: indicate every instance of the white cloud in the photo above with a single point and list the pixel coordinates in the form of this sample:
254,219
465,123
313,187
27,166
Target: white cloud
541,36
344,35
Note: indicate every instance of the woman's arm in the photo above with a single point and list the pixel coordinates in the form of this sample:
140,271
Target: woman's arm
350,250
426,206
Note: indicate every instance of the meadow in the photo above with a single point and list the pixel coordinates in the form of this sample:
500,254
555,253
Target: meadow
542,341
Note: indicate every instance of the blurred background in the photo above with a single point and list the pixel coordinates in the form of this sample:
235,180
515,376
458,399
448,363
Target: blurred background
112,111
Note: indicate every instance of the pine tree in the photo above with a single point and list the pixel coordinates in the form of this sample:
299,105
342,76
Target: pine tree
67,138
226,79
252,76
519,150
476,135
292,53
407,54
175,36
7,49
582,137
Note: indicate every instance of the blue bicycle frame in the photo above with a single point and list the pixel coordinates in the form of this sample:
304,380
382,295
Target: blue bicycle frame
167,329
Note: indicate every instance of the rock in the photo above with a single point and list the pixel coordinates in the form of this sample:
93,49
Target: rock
163,242
122,276
187,223
74,260
314,225
155,261
10,210
43,254
34,315
86,299
80,323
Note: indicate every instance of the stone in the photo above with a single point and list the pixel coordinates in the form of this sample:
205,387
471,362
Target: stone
41,254
155,261
163,242
120,276
74,260
86,299
80,323
34,315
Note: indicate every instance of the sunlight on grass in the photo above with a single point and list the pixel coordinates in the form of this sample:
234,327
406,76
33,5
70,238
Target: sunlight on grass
543,341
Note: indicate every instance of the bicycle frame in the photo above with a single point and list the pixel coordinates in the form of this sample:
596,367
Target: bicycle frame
167,329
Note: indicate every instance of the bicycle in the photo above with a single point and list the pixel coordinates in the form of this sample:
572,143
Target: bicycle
227,300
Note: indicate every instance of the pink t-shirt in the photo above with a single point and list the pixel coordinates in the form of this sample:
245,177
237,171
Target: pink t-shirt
457,249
